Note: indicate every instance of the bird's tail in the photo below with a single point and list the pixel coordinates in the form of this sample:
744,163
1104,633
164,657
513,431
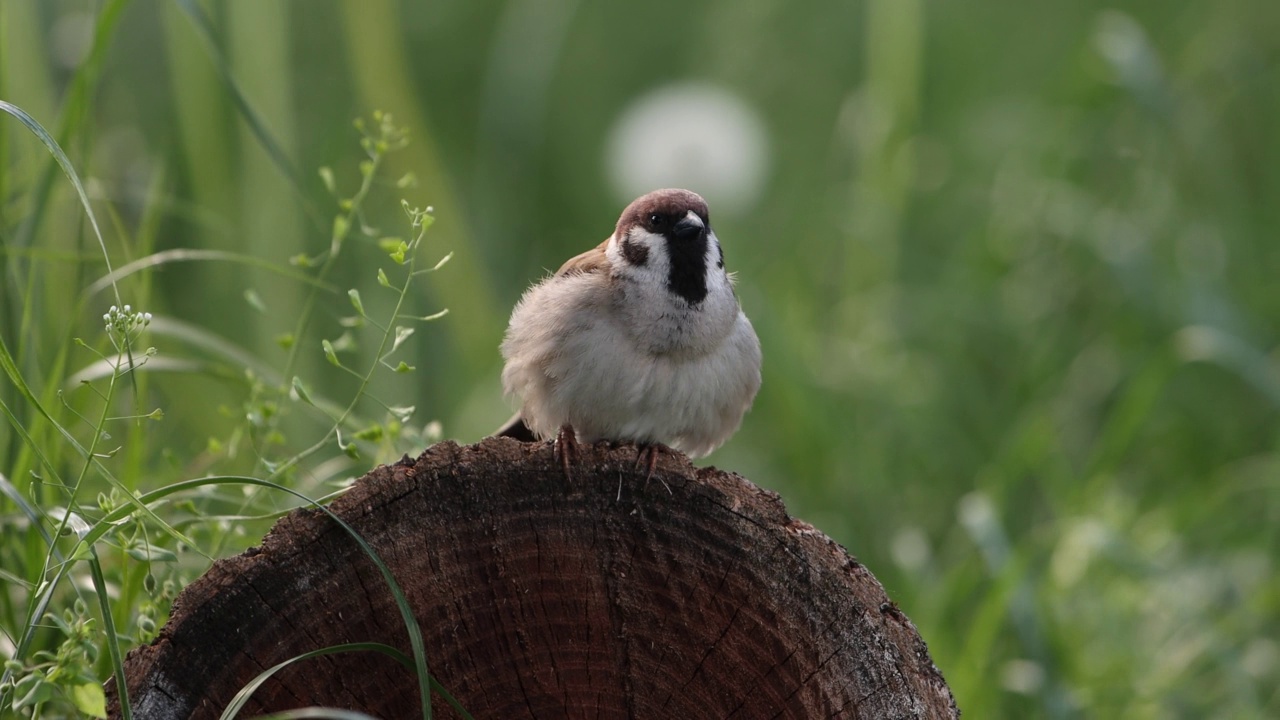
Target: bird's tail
515,428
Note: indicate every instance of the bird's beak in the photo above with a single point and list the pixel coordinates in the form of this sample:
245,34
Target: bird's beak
689,227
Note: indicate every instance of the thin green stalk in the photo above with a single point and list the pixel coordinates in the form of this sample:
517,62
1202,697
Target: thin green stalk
65,163
378,356
256,123
341,230
104,525
113,642
242,697
175,255
75,111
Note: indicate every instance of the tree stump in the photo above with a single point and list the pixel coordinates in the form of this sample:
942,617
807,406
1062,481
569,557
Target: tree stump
691,594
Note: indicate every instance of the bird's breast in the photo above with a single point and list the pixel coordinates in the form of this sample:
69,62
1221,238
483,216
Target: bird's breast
662,324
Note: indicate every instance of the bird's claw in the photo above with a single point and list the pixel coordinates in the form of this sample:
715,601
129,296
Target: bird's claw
648,457
567,449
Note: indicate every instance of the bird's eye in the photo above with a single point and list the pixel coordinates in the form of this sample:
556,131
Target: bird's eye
656,220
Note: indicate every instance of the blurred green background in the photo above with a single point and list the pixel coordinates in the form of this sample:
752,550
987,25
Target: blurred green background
1013,267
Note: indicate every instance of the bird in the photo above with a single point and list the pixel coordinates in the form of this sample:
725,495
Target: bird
639,340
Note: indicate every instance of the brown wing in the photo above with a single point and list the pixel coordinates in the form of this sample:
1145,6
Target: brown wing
590,261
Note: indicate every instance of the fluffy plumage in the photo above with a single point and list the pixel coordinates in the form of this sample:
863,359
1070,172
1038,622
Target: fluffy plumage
639,339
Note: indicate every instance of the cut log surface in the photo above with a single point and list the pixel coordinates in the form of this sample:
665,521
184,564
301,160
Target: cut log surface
690,595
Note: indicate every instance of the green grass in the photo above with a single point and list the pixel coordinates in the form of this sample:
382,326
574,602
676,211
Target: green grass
1013,270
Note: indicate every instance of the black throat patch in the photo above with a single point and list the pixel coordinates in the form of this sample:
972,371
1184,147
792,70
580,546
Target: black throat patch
688,274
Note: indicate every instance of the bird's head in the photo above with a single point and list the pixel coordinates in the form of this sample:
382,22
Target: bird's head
666,237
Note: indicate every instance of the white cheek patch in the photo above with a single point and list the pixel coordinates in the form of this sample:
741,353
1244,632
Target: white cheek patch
713,246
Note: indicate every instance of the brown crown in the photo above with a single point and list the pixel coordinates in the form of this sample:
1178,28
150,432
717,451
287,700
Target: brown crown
671,203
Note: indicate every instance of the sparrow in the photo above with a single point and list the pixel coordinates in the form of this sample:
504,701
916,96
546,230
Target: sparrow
638,340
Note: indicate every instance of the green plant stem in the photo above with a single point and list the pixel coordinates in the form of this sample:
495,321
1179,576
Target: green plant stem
99,529
113,642
364,382
335,244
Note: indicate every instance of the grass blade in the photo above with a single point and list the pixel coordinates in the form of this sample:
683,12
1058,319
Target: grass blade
8,490
238,702
65,163
104,524
165,257
204,28
319,713
113,641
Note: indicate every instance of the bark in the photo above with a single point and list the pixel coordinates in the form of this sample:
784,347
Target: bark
690,595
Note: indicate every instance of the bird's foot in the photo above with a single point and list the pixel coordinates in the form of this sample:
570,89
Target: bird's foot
648,457
567,448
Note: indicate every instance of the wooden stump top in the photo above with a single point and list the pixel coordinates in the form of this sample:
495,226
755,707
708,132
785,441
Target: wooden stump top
692,595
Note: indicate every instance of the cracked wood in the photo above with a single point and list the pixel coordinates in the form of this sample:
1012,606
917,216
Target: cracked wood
693,595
